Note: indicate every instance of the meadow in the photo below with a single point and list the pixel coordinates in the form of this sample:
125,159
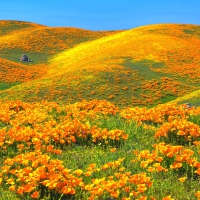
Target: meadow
95,150
99,115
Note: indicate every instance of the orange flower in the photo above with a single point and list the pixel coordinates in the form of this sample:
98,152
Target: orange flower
198,171
106,166
12,188
113,150
127,189
179,158
35,195
88,173
114,194
78,172
182,179
125,136
143,198
134,193
121,169
197,194
141,188
68,190
159,159
176,165
92,165
29,188
151,169
20,190
10,181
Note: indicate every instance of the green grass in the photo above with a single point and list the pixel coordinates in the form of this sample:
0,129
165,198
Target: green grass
167,98
193,31
7,195
14,54
4,86
143,68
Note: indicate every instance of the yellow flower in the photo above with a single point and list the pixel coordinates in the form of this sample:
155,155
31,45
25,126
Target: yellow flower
182,179
113,150
78,172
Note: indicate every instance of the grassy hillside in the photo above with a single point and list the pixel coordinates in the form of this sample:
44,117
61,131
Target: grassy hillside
39,43
98,149
193,98
143,66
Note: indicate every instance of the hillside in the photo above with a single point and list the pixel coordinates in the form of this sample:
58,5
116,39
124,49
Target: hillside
193,98
11,26
142,66
39,43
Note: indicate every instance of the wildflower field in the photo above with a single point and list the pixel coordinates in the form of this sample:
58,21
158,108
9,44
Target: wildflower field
95,150
99,115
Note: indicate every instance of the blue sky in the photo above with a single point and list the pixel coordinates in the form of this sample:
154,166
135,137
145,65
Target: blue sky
101,14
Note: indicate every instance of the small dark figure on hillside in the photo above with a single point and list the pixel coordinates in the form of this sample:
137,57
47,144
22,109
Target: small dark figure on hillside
188,105
24,58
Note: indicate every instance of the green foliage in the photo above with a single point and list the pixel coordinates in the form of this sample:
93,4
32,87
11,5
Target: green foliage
195,119
144,70
4,86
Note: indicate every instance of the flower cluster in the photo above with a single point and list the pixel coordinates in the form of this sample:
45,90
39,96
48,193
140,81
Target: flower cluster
35,136
35,173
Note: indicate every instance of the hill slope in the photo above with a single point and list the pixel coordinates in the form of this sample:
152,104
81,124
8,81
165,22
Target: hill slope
143,66
39,43
193,98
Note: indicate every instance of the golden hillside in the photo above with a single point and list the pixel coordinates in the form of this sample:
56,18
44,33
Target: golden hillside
142,66
11,26
169,44
40,41
17,72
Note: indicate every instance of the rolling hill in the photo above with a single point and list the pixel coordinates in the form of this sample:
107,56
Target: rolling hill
143,66
40,42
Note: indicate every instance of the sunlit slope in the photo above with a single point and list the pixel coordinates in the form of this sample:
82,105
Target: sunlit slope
40,42
149,64
193,98
178,52
143,66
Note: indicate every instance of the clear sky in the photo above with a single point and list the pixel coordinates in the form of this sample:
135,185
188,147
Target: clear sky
101,14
